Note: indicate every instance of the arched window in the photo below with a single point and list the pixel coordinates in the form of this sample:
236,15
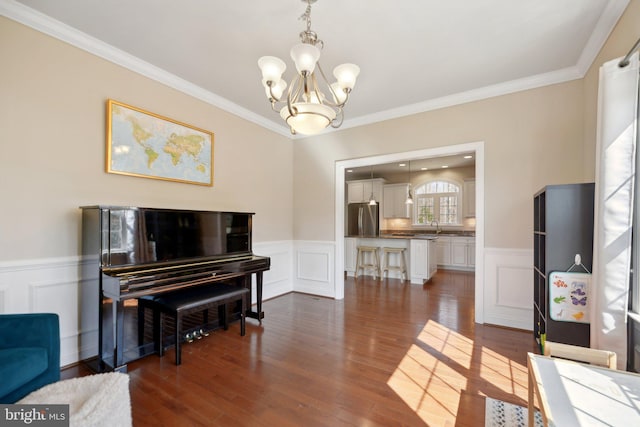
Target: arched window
437,201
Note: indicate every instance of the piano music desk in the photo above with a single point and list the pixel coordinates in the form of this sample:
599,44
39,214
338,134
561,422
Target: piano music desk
191,300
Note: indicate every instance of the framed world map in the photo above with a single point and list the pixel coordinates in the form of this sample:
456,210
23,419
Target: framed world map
143,144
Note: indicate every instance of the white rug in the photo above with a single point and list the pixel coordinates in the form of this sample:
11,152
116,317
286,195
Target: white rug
100,400
503,414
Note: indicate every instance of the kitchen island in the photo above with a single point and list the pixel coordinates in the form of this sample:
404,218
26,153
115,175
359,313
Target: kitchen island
420,254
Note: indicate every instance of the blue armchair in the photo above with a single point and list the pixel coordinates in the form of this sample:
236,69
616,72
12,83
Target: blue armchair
29,353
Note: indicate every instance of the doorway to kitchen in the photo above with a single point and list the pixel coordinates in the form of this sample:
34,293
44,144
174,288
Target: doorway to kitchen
341,166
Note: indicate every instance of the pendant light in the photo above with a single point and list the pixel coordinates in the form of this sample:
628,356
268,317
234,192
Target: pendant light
409,200
372,199
311,103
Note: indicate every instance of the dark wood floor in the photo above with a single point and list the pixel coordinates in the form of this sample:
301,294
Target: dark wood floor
389,354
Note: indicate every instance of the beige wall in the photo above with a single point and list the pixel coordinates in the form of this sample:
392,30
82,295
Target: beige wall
52,135
532,138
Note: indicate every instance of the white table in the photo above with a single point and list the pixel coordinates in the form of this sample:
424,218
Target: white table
576,394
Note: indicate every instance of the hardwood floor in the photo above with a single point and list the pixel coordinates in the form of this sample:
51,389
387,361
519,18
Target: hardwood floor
389,354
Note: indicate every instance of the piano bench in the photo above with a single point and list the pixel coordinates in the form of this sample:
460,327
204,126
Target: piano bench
191,300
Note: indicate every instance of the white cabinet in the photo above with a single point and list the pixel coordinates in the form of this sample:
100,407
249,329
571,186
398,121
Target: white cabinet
350,254
394,198
423,261
457,253
471,253
469,198
443,250
360,191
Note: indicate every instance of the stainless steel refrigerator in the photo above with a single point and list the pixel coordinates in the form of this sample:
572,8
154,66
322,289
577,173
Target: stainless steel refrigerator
362,220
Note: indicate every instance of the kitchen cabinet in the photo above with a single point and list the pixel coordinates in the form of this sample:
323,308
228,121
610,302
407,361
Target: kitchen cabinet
360,191
456,252
469,198
423,260
471,253
394,201
443,250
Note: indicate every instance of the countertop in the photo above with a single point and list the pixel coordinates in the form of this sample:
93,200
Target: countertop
417,235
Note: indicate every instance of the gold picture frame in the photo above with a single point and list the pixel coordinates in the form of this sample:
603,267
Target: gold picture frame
148,145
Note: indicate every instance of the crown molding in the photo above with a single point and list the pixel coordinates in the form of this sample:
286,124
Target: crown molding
607,22
47,25
519,85
54,28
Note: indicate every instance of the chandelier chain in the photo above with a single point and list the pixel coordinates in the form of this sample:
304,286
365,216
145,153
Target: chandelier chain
307,16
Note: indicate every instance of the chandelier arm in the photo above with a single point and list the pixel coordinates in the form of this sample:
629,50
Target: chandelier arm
316,89
335,123
292,95
333,93
273,97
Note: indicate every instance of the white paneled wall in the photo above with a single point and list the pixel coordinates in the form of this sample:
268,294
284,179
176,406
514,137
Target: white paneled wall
508,287
278,280
314,264
54,286
57,285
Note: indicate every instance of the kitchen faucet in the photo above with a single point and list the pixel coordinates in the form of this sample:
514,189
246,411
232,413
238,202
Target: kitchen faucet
437,226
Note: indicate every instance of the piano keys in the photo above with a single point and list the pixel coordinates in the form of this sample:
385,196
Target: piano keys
147,251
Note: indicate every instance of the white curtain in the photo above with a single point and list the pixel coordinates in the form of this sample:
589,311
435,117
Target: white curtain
615,169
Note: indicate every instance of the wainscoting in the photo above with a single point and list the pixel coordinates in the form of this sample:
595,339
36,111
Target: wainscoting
314,268
57,285
508,287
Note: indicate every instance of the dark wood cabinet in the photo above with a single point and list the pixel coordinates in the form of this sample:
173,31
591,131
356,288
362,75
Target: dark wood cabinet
562,228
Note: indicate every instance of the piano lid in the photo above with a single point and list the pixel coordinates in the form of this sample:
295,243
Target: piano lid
134,236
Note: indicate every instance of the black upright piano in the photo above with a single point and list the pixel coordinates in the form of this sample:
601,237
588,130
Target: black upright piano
146,251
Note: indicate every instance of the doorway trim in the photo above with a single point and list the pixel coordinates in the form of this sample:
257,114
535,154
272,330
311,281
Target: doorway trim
343,165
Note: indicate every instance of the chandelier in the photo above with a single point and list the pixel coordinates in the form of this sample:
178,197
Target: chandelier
307,108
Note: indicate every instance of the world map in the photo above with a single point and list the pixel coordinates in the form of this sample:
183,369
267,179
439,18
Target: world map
146,145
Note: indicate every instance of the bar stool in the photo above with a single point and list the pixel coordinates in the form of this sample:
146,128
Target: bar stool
402,268
361,260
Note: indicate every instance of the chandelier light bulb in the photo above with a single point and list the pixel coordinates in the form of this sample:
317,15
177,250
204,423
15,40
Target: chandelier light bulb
340,95
312,98
272,68
305,56
276,89
346,74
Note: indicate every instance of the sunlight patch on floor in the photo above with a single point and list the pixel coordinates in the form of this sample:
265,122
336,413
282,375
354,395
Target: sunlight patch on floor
450,343
429,386
433,373
504,373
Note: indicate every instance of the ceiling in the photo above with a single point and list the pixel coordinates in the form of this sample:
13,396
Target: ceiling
414,55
